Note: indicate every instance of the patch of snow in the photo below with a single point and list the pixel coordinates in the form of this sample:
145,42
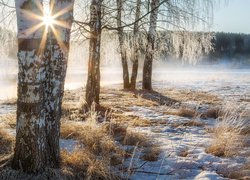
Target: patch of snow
68,144
173,141
206,175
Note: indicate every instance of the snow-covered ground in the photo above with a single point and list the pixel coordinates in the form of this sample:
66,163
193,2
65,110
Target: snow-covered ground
173,141
232,86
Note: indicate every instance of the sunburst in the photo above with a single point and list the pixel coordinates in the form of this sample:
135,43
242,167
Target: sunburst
48,22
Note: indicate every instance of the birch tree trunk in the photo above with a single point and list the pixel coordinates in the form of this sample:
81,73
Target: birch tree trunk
126,84
93,82
30,148
57,51
147,68
135,55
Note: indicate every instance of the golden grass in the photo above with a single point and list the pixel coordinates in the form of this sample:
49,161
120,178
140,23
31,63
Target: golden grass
191,95
135,121
183,112
193,123
242,174
151,153
100,153
135,139
212,113
183,153
9,119
95,138
227,138
83,163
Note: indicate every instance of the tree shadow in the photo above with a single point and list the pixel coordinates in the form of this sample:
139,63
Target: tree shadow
156,97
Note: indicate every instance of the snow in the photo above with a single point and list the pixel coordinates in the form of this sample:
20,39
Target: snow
205,175
68,144
173,141
232,86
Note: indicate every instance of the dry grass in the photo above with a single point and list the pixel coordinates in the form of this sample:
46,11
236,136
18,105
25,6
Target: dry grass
135,121
100,152
95,138
183,111
193,123
151,153
83,163
12,101
191,95
9,119
212,113
242,174
227,136
139,122
135,139
183,153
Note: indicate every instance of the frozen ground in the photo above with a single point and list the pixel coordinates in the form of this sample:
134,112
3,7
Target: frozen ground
174,141
232,86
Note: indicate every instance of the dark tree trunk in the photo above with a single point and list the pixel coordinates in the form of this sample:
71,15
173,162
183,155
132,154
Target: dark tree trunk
135,55
125,71
148,63
93,82
30,148
57,51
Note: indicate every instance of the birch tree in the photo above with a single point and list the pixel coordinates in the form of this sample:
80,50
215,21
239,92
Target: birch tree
136,48
93,82
57,52
120,6
175,15
42,63
30,149
151,35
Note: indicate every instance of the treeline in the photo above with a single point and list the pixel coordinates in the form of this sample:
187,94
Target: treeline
191,47
230,45
8,43
174,45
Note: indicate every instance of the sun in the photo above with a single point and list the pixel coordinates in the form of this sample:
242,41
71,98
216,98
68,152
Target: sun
48,20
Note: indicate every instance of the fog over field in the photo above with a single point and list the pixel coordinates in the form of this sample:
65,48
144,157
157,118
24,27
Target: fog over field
166,74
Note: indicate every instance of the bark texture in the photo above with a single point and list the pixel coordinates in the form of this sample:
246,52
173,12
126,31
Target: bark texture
135,55
93,82
30,148
42,63
147,68
57,51
126,84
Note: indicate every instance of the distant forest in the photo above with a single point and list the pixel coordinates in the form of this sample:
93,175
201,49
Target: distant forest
223,45
231,45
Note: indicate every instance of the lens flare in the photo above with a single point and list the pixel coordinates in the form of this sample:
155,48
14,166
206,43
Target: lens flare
48,20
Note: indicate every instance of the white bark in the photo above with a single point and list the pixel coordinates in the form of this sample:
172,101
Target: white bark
57,51
30,151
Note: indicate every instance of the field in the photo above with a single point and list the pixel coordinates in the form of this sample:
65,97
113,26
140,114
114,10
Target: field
194,125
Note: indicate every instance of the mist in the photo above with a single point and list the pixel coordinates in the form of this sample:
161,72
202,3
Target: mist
167,73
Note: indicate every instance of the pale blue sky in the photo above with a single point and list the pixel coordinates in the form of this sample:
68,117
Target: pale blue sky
233,17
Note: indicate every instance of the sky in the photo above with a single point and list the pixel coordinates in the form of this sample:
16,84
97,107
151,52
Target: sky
233,16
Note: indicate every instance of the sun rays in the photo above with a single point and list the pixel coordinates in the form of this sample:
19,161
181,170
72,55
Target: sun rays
50,21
